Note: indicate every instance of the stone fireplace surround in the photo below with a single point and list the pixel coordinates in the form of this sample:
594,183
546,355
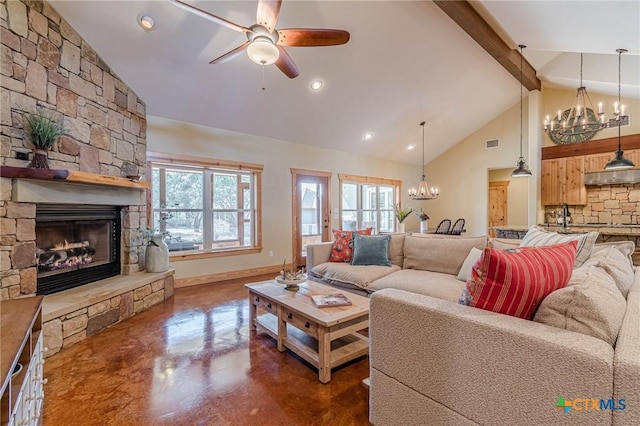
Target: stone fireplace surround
72,315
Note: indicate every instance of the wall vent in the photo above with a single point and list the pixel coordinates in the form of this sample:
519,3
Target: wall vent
493,143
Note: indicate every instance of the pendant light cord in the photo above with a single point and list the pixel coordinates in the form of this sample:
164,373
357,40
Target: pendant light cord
581,62
619,101
521,47
422,124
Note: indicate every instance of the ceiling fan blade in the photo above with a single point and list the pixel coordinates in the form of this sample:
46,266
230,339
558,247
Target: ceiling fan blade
268,11
312,37
210,17
230,55
286,64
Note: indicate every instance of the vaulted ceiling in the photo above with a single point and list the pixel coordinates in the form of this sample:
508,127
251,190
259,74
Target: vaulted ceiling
406,62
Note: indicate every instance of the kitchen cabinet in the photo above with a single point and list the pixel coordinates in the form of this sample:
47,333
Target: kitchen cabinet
596,162
562,181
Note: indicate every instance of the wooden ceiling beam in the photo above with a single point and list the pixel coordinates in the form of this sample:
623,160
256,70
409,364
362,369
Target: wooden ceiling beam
463,14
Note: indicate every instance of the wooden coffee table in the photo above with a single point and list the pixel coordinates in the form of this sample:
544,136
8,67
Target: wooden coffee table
329,336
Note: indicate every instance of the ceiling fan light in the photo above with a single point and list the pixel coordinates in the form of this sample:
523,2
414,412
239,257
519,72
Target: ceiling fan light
262,51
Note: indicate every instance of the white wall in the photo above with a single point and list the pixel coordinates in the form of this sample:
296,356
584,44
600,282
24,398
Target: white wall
461,172
278,157
517,196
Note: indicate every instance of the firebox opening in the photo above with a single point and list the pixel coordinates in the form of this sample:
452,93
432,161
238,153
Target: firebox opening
76,245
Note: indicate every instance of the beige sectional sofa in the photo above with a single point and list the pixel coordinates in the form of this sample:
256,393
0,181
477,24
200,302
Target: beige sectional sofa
435,362
425,264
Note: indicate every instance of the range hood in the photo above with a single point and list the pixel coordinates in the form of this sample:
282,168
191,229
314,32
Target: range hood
612,177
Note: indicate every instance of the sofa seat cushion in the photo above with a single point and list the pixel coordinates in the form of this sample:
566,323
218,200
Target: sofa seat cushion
350,276
590,304
434,284
439,253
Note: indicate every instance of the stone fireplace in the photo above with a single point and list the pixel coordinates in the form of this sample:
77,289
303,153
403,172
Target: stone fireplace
76,245
100,161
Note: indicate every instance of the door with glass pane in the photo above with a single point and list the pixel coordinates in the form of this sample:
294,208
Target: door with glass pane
311,211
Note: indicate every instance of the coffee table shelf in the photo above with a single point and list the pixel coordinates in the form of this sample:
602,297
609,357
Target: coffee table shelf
326,338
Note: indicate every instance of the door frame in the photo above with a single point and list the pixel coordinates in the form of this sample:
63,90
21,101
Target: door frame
296,175
497,183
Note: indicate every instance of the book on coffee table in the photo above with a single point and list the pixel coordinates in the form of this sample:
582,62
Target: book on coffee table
330,300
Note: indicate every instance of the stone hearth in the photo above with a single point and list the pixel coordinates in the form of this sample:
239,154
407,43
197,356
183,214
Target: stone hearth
73,315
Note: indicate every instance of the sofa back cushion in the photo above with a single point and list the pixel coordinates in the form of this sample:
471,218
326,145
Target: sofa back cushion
439,253
590,304
515,281
396,249
504,243
539,237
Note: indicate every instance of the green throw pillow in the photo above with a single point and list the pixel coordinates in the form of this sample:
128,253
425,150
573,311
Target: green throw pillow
371,250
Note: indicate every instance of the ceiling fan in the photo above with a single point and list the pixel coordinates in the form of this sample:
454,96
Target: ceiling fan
264,45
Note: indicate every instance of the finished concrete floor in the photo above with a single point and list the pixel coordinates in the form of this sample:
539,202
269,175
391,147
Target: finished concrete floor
193,361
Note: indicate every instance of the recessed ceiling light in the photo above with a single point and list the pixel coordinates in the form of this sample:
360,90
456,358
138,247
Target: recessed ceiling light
146,22
316,85
367,136
410,147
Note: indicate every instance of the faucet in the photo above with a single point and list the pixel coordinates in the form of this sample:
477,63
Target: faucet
565,214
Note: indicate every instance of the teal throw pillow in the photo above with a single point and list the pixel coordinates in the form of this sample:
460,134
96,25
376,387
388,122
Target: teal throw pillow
371,250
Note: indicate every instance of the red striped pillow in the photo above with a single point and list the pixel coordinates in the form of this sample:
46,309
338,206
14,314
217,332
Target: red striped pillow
515,281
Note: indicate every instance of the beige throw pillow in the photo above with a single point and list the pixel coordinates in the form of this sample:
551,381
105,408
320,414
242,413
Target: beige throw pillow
626,247
539,237
616,264
590,304
472,258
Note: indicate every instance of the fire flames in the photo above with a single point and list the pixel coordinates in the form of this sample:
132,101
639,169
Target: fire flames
65,255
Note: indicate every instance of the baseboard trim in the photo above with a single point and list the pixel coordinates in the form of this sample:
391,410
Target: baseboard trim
230,275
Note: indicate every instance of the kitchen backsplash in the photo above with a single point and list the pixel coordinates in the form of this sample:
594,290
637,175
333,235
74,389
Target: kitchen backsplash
610,204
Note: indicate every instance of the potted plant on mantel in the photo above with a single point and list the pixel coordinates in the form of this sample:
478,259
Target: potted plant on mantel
42,130
401,215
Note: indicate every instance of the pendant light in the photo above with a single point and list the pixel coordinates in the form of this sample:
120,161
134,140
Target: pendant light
423,192
522,170
619,162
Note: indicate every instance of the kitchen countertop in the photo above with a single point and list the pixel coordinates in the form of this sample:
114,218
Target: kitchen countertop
602,228
605,229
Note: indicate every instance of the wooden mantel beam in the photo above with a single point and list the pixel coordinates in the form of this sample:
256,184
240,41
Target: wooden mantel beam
70,176
470,20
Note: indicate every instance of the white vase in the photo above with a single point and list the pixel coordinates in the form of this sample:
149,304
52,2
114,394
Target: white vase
424,226
401,227
156,255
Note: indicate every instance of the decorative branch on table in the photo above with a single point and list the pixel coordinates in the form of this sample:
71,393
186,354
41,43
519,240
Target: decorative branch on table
402,214
422,215
43,130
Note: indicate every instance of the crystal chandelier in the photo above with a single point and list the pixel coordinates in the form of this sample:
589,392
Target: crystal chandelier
581,122
423,192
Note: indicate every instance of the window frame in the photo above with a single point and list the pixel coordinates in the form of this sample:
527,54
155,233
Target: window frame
211,165
367,180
